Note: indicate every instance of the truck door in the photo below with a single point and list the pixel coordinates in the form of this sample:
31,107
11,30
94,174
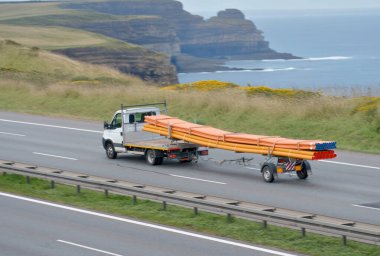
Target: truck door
115,132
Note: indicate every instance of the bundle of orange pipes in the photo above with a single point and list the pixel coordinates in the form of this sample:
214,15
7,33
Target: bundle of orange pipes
244,143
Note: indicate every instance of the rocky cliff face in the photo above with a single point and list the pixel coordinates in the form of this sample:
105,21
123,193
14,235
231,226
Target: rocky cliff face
150,66
153,33
227,35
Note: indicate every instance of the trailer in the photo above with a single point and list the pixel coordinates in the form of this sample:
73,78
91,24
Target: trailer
124,135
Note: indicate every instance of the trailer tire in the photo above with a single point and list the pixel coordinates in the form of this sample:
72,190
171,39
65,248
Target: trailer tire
153,158
268,170
110,151
303,174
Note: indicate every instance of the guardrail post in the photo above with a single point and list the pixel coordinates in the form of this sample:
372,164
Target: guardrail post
27,180
303,232
164,205
52,184
265,224
195,210
229,217
134,200
344,240
78,189
106,192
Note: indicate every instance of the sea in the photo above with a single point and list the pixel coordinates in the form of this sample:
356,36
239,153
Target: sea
340,51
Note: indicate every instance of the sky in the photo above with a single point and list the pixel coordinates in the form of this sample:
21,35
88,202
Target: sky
215,5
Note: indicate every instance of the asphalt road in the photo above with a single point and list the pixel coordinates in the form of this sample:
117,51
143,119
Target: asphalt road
345,187
35,228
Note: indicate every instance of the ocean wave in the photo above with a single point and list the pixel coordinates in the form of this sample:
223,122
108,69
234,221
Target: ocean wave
313,59
245,71
257,70
331,58
277,69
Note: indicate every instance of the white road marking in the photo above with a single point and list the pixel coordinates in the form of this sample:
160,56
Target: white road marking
253,168
368,207
13,134
63,157
357,165
88,248
48,125
190,178
172,230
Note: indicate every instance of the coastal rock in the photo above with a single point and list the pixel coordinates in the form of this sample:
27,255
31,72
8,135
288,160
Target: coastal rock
150,66
228,34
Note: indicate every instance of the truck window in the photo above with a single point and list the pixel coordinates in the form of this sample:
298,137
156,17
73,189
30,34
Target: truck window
140,117
116,122
131,118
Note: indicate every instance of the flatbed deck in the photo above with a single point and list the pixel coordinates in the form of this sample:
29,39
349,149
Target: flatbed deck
159,144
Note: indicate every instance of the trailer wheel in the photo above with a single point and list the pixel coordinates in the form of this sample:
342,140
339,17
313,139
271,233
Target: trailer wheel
268,171
110,151
303,174
152,157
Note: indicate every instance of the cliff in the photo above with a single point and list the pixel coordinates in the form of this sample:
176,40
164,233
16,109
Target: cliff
150,66
174,39
227,35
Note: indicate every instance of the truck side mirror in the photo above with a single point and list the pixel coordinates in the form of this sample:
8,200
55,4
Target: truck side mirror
106,125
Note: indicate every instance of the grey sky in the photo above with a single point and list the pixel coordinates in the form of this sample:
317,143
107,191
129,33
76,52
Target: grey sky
215,5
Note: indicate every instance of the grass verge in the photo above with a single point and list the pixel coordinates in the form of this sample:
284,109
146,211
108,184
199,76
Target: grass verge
184,218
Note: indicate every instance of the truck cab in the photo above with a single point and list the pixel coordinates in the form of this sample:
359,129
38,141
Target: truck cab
128,121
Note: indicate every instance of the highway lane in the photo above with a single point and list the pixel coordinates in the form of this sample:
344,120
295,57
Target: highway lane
334,189
35,228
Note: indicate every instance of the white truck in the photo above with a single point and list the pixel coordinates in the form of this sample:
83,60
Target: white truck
124,135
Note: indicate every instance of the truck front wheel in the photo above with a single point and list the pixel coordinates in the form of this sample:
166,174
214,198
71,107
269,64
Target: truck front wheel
110,151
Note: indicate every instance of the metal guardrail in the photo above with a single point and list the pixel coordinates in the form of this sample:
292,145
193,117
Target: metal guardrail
304,221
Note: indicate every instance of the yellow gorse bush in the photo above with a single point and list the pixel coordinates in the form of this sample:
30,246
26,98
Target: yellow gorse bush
367,105
212,85
207,85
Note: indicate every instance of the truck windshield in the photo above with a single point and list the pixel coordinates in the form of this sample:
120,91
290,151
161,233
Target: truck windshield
116,122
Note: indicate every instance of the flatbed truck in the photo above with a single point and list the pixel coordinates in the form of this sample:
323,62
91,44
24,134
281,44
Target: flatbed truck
124,135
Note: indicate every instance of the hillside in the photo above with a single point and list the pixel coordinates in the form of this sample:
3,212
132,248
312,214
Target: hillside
80,44
31,65
185,41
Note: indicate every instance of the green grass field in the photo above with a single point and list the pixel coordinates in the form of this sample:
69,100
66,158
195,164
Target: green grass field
21,10
218,225
53,38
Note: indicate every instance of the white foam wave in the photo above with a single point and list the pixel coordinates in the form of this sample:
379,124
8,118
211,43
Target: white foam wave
277,69
313,59
331,58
